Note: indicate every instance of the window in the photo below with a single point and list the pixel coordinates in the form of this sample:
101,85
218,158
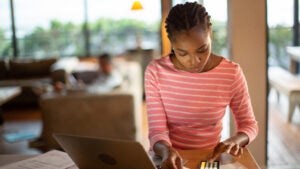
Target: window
79,27
114,28
49,28
218,15
280,23
5,30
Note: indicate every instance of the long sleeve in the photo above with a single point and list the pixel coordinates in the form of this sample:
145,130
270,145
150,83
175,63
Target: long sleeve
157,121
241,107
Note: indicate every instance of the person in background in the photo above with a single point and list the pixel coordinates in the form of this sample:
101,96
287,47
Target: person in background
105,64
108,77
105,79
188,91
58,86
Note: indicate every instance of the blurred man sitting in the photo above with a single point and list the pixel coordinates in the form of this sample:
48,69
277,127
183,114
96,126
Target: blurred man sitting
108,77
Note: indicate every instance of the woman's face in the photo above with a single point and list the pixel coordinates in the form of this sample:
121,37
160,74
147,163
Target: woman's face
192,49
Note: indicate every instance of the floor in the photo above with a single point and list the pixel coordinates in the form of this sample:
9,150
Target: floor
284,138
16,121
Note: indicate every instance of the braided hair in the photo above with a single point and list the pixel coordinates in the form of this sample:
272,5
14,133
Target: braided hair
183,17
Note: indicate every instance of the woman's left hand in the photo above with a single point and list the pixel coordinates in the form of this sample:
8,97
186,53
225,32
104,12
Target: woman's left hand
227,147
233,146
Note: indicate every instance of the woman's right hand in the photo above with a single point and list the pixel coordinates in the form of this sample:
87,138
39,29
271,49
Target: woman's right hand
170,157
173,161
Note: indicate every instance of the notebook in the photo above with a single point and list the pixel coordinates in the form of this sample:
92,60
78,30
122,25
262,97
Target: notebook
103,153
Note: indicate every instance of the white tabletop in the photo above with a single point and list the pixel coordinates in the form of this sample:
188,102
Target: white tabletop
7,93
294,52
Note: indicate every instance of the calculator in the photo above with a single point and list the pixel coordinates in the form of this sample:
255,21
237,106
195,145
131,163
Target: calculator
209,165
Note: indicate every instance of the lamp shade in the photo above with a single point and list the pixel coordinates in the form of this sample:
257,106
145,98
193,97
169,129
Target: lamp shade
136,5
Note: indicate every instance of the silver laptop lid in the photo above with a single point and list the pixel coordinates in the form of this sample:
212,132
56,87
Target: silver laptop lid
104,153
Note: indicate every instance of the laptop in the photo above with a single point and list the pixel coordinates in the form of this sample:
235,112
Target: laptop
104,153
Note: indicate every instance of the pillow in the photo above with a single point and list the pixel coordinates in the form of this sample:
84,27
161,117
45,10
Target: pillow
30,67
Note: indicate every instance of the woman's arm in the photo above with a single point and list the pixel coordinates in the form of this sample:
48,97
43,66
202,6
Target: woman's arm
241,108
157,120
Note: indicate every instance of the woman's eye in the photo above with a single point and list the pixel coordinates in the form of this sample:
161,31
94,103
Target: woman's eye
202,51
182,54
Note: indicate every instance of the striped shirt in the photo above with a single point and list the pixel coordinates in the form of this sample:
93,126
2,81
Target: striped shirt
186,109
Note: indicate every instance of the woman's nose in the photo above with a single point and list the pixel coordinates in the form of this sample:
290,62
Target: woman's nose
195,60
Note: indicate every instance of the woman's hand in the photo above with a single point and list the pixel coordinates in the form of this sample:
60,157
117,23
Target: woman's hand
173,161
170,157
227,147
233,146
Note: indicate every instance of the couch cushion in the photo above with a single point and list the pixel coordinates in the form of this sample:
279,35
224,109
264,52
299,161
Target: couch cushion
30,67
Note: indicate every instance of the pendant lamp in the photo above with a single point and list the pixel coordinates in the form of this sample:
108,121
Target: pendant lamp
136,6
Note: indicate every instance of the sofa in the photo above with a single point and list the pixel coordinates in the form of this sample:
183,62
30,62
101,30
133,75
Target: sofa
113,114
32,75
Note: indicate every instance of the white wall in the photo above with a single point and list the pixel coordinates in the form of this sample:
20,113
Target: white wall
247,46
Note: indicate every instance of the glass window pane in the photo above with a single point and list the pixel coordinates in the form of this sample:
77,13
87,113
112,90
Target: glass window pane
217,9
280,23
5,30
49,28
115,28
219,19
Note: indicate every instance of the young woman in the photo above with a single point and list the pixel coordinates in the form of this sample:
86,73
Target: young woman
187,92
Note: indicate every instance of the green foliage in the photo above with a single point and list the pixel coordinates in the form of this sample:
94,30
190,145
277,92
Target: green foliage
219,37
106,35
53,41
5,45
113,36
65,39
279,38
109,25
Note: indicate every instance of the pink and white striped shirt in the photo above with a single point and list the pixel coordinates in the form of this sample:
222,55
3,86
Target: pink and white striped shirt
186,109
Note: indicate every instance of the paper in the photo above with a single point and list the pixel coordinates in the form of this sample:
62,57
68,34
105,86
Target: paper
53,159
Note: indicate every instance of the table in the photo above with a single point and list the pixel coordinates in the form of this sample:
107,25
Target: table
193,158
6,94
294,52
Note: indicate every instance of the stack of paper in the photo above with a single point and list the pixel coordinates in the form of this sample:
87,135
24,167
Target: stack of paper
53,159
